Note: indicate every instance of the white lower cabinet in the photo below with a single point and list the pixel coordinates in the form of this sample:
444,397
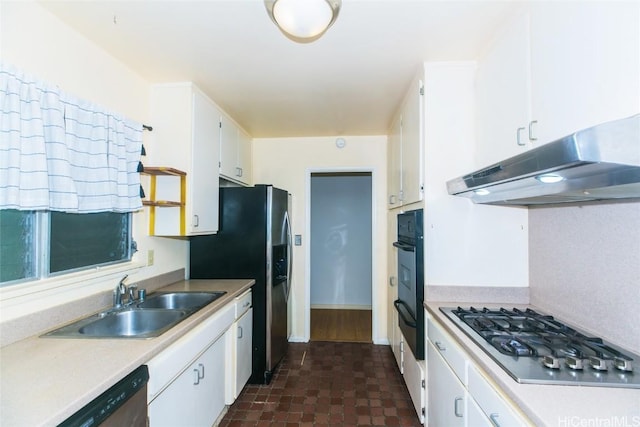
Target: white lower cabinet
239,348
447,395
187,381
196,396
490,402
414,374
459,394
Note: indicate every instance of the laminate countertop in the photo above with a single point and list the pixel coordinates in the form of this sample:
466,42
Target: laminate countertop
43,381
549,405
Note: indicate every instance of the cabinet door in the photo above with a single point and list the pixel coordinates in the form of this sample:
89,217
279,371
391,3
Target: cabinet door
196,396
490,401
228,147
412,145
414,378
503,93
394,153
585,59
202,193
245,164
447,396
475,416
244,331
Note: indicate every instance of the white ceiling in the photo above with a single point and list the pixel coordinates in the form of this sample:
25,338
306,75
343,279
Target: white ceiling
349,82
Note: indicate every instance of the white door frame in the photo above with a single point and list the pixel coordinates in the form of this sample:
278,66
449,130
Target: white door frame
374,243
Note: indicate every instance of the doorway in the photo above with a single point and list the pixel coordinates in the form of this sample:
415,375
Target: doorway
341,256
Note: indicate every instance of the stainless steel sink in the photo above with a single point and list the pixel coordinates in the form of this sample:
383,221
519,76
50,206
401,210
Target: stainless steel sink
146,319
180,300
129,323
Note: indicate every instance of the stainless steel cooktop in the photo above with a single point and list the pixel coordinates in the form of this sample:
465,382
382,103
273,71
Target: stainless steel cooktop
536,348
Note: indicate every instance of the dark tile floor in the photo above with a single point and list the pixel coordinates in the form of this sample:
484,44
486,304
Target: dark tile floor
328,384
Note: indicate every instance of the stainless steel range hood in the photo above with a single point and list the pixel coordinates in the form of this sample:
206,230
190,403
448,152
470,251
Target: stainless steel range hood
598,163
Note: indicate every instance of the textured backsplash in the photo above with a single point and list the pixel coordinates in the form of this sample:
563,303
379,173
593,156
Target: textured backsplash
584,267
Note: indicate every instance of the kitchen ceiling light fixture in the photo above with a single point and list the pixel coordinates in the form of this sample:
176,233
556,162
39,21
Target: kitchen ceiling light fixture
303,21
481,191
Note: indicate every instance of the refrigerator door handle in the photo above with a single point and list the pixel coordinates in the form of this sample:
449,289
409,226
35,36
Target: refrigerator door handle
289,256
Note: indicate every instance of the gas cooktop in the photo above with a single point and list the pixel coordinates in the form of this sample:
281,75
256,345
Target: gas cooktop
535,348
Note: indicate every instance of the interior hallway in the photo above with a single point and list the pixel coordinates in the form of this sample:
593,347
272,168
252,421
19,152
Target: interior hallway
328,384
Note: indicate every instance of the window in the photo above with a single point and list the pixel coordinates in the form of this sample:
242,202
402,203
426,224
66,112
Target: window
67,242
17,244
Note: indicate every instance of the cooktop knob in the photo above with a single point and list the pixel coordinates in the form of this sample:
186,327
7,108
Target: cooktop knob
574,363
598,364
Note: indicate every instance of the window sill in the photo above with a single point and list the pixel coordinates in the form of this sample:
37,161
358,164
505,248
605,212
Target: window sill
30,297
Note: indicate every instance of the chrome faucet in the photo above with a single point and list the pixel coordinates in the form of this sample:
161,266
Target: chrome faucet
119,292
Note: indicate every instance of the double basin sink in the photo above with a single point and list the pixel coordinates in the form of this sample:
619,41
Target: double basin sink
145,319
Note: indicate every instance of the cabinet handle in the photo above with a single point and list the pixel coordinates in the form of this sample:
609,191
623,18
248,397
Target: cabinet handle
246,304
238,172
456,410
392,281
392,199
531,137
520,142
196,220
440,346
239,332
196,377
401,195
494,419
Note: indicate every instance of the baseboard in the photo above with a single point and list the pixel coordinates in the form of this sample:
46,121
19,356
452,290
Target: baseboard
340,307
298,339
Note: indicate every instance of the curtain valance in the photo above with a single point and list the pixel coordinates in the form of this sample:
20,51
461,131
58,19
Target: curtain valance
64,154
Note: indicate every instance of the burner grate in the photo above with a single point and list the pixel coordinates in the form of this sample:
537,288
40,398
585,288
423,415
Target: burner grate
537,348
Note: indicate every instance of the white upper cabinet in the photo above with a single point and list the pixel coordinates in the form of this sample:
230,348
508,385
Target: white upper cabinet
235,152
405,151
394,159
503,95
555,68
412,144
585,65
185,136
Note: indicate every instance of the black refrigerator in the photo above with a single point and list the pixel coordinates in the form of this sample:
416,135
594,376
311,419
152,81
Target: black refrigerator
253,241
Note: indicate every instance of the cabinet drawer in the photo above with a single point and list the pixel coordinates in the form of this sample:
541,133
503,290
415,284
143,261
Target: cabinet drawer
243,304
490,401
171,362
450,351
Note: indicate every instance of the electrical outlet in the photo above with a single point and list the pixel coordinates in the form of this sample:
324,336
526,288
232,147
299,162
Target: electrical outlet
150,257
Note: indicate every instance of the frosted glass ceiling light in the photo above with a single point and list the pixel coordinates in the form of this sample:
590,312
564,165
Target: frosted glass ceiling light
303,21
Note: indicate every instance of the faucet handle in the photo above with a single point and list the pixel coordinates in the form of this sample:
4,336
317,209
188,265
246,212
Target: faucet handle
132,289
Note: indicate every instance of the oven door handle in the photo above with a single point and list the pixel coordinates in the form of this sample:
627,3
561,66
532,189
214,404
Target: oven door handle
404,246
407,321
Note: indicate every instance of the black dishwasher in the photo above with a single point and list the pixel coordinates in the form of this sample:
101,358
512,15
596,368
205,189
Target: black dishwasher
124,404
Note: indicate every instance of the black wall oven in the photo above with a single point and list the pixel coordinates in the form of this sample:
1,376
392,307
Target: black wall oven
409,304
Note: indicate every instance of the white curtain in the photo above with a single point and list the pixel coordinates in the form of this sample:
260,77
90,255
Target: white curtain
61,153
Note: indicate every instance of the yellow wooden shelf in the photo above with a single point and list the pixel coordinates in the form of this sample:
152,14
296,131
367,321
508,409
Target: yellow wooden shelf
154,172
161,203
162,170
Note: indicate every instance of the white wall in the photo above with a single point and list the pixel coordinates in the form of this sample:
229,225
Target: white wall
287,163
38,43
340,241
466,244
585,267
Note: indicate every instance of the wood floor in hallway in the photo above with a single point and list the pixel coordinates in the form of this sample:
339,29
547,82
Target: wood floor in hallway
341,325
